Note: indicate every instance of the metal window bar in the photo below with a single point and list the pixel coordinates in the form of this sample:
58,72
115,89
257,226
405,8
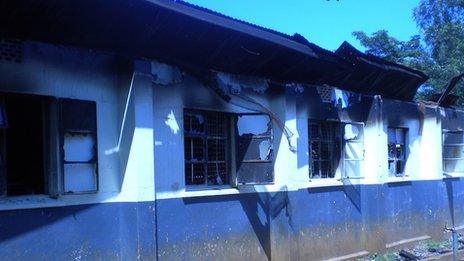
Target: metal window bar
321,144
396,151
205,148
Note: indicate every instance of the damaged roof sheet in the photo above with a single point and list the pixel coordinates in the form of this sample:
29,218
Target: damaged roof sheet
373,75
190,36
171,32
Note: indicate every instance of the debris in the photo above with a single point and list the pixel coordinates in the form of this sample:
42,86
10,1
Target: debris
408,255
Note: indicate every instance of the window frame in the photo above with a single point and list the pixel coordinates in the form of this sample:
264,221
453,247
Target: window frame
63,130
52,140
344,151
204,136
236,136
336,143
404,132
231,148
445,132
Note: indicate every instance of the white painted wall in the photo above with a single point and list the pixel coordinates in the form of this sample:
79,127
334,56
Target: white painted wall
87,75
140,127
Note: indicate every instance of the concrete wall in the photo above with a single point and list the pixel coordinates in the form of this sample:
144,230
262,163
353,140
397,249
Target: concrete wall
143,208
117,222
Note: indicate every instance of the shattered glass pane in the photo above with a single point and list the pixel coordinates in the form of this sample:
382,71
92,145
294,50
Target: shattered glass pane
78,147
258,124
265,150
353,132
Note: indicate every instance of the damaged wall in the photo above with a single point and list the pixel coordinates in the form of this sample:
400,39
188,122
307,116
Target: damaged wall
292,218
85,222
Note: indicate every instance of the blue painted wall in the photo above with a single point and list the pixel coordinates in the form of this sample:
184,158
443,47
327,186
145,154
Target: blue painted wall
111,231
309,224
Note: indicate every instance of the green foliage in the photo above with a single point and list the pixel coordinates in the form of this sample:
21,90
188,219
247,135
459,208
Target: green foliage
438,51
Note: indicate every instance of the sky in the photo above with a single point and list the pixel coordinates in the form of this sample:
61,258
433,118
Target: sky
326,23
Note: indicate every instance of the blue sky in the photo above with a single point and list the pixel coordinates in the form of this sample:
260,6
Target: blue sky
324,22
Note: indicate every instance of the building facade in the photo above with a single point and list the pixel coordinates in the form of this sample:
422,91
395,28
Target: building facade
107,155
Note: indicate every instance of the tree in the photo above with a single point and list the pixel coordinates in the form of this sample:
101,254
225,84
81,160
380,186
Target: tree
440,54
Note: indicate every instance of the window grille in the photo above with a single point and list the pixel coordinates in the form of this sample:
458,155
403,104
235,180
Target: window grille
396,151
205,142
322,144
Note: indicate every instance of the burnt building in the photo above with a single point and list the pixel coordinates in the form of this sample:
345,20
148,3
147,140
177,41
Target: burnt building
162,130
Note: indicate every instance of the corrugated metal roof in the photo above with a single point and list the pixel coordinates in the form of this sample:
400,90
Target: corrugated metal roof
191,36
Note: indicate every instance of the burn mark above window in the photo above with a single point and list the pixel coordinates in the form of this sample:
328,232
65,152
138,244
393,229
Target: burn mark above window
396,151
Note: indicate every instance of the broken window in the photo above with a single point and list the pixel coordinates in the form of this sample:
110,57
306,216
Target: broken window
31,160
396,151
211,151
453,152
353,147
324,148
79,145
254,157
205,147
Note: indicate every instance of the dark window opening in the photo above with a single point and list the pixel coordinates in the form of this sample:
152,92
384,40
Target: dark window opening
396,151
24,146
324,148
206,143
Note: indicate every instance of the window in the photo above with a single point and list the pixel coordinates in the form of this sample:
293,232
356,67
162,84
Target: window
227,149
44,142
79,144
324,145
396,151
331,143
205,148
254,147
453,152
353,146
